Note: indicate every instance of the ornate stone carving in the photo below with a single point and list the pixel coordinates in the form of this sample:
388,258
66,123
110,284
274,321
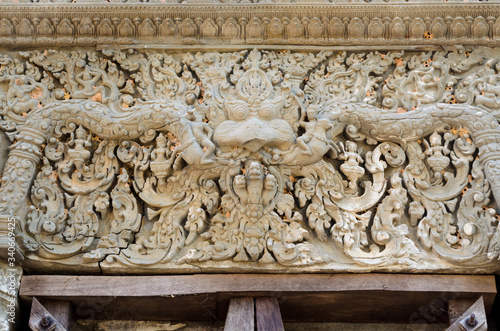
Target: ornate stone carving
158,162
239,22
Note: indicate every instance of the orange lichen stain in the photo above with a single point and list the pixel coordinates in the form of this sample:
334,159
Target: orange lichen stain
454,131
234,148
171,137
131,82
205,148
25,114
419,141
398,61
452,100
462,132
124,105
243,170
470,178
413,108
401,110
228,214
97,97
428,35
67,96
464,190
293,179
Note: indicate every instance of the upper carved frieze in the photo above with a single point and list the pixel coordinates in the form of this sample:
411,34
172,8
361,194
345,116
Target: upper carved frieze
158,162
193,24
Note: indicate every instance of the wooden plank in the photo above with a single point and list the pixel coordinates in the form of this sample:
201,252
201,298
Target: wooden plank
241,315
268,315
306,298
60,310
479,321
61,286
456,308
41,319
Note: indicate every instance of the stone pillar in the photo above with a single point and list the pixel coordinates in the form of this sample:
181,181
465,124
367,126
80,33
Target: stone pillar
19,171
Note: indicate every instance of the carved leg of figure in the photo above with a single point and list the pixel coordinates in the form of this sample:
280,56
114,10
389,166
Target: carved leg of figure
207,156
302,142
9,288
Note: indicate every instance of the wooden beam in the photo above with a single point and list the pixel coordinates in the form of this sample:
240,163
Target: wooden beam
240,315
61,310
474,319
304,297
41,319
456,308
268,314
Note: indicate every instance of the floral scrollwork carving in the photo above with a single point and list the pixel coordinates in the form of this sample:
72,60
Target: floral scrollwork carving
253,160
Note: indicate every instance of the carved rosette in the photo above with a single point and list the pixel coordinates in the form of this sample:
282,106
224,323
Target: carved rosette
158,162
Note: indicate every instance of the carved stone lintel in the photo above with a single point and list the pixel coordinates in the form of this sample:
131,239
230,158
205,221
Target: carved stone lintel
156,161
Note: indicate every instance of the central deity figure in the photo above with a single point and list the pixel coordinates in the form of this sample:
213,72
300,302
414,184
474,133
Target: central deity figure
254,119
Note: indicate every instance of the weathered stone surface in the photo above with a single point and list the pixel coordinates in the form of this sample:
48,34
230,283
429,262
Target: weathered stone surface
9,287
233,24
4,149
147,161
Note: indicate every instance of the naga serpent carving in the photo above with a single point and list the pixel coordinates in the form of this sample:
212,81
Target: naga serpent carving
243,166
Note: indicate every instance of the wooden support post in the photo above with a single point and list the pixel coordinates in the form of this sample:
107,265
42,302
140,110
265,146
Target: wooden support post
473,319
42,319
241,315
268,314
61,310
